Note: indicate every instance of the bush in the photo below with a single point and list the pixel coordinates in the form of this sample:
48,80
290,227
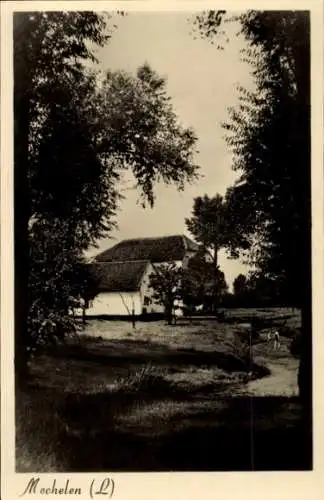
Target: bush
147,380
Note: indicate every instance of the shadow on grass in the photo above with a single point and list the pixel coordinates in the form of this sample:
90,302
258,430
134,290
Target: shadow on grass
264,433
239,441
120,353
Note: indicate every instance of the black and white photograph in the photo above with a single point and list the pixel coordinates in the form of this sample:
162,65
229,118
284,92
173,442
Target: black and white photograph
162,251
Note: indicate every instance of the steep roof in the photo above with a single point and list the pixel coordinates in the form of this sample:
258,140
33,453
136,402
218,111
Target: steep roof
162,249
119,276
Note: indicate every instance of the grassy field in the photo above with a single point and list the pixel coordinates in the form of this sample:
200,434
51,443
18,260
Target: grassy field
157,397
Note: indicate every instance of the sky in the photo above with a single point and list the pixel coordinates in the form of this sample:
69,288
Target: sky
202,83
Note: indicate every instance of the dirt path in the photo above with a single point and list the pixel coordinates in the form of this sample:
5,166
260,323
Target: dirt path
281,382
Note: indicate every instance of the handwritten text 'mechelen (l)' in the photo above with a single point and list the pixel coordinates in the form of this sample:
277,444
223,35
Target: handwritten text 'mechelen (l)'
33,487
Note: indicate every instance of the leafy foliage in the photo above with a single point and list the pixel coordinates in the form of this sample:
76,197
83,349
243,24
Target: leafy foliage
197,287
74,136
141,131
269,133
49,49
240,284
208,223
213,225
166,282
256,290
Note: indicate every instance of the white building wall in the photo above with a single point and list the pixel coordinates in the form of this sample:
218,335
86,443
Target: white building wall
112,303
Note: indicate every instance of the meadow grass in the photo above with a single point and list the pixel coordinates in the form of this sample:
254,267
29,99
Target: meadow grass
117,392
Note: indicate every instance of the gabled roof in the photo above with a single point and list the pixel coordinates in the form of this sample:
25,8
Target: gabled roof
162,249
119,276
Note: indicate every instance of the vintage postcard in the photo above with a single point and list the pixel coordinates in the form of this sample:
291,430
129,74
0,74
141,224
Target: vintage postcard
162,250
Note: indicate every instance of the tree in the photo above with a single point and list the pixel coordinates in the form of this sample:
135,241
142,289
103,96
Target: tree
74,136
212,225
59,278
269,133
166,281
241,292
142,131
239,285
198,283
196,277
45,45
74,191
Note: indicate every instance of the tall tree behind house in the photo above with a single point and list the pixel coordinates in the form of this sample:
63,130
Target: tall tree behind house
213,226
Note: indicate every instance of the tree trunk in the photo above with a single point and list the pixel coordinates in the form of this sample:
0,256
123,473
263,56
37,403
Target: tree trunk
168,314
22,84
215,281
133,319
21,245
305,278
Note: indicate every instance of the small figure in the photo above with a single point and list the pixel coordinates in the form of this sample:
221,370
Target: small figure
276,340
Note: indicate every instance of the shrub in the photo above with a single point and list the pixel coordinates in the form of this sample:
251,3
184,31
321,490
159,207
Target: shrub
148,380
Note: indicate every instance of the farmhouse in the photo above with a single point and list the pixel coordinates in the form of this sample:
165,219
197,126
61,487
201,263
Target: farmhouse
123,288
124,272
164,249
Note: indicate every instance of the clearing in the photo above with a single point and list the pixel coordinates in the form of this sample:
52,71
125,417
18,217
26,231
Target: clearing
165,398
